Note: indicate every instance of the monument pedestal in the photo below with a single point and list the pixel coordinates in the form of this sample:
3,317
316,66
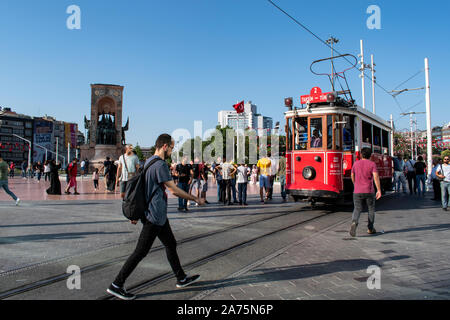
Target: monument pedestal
97,154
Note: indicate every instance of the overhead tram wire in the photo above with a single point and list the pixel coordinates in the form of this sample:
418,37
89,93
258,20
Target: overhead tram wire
324,42
410,109
412,77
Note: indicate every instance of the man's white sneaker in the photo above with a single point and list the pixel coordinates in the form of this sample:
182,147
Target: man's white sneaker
17,201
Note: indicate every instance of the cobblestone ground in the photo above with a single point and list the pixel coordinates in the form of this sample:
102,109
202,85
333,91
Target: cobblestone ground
412,254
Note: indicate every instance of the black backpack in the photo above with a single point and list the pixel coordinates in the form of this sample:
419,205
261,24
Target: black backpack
134,203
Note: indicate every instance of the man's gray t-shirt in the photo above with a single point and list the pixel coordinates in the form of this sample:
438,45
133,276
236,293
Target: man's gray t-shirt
155,177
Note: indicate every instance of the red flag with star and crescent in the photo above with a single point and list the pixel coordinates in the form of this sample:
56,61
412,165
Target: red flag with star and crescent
239,107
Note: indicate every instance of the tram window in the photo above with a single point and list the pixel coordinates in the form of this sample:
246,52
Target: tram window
348,133
385,140
376,139
329,132
337,133
316,132
289,134
366,135
301,133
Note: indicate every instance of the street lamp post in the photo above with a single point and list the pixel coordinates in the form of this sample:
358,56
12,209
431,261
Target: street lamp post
29,149
428,103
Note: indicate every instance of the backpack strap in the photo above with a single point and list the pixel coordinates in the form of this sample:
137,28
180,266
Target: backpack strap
125,162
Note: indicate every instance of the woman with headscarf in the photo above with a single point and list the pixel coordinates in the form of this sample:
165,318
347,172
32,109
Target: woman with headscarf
111,177
55,184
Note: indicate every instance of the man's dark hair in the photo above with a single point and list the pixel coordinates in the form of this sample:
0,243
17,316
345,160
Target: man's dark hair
420,158
162,140
366,153
107,158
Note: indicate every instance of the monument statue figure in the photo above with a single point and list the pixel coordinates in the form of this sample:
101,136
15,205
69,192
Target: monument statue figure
123,131
105,132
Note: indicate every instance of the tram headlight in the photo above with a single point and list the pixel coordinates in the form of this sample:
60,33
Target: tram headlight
309,173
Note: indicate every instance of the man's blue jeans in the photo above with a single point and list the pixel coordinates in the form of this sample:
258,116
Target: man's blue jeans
219,191
233,189
182,203
4,185
420,183
283,186
445,192
242,188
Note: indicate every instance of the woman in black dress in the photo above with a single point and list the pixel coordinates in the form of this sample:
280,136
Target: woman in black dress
55,184
111,177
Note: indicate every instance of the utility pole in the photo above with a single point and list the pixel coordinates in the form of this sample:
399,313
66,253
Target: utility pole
411,127
363,66
392,136
29,149
373,82
428,103
415,134
331,41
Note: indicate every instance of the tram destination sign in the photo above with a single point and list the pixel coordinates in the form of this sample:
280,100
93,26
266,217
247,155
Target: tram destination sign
316,95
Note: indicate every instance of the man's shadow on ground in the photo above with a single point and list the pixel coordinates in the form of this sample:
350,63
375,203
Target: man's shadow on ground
278,274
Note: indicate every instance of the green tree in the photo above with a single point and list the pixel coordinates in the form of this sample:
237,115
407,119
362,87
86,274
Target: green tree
139,153
445,153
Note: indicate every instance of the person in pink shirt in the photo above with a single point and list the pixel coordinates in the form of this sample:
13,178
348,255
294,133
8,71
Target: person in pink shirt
364,173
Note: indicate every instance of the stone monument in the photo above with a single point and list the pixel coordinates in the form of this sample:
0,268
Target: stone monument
105,134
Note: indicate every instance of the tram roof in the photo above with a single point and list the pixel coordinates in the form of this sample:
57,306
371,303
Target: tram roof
364,114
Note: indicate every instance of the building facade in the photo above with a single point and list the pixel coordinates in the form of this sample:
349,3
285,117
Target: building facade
12,148
249,119
46,134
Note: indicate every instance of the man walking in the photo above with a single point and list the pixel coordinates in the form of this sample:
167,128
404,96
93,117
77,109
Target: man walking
444,173
4,171
128,166
184,179
24,169
264,167
155,222
411,175
282,176
228,170
273,174
364,173
399,175
437,163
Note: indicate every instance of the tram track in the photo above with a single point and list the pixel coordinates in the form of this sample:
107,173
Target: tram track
140,286
17,291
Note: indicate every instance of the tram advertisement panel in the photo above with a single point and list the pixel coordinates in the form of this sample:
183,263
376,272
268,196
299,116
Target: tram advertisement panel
334,170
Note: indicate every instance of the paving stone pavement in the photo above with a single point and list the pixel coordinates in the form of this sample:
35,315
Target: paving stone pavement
412,253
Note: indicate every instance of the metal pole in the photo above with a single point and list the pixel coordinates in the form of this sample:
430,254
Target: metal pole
57,142
68,152
411,127
373,83
415,134
392,136
428,103
362,76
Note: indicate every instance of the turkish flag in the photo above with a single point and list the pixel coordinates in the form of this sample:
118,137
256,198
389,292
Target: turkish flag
239,107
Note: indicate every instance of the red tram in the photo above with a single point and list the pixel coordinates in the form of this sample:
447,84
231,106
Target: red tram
324,140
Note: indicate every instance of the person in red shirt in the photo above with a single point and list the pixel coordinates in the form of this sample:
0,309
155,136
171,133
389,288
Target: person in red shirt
72,172
364,173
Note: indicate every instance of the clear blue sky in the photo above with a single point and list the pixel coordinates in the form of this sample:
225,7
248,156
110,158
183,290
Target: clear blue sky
182,61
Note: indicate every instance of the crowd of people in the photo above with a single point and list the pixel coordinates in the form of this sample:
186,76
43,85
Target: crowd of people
231,179
411,175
